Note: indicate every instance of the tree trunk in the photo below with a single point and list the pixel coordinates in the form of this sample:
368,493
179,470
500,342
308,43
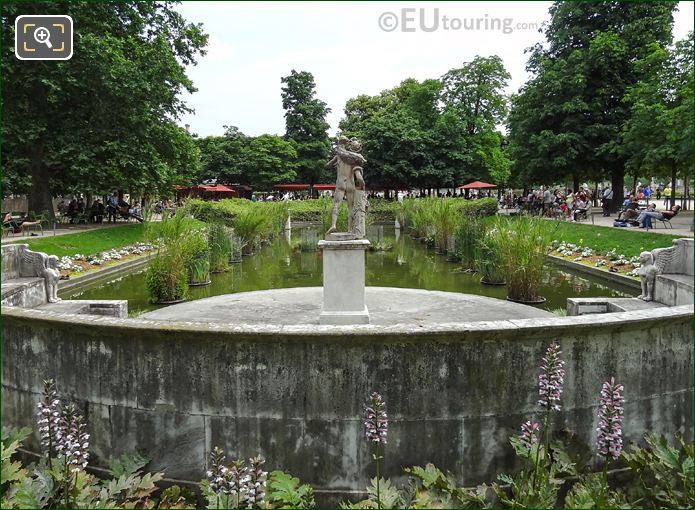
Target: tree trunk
673,185
634,183
596,194
617,183
575,183
39,199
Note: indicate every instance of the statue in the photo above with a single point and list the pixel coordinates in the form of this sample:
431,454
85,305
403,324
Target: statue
349,184
52,276
647,273
33,263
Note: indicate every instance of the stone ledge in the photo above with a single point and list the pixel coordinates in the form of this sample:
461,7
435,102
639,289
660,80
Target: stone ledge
105,272
595,271
461,331
352,244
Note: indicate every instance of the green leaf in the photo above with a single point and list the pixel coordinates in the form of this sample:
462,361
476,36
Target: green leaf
127,464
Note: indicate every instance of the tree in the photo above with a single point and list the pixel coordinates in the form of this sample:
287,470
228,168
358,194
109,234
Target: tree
269,160
475,93
222,156
659,135
549,129
434,133
576,103
106,118
305,124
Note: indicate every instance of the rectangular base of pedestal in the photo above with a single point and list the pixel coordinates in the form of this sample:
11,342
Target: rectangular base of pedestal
344,318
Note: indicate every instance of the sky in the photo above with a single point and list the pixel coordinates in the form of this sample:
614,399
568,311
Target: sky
351,48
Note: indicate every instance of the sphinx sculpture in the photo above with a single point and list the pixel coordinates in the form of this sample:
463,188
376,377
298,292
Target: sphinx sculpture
647,273
349,185
33,263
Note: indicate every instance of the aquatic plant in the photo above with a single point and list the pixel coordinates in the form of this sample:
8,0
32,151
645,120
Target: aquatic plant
220,244
521,243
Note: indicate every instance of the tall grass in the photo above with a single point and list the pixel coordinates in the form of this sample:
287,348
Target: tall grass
220,243
522,245
251,225
488,262
199,271
443,216
178,240
469,232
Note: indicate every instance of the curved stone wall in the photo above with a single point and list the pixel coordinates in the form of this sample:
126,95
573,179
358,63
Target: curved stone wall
455,392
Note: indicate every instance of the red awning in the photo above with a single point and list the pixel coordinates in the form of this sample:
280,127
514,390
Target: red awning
295,187
217,188
291,186
477,185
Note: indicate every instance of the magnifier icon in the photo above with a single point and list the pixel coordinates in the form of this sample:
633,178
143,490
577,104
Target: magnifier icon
43,36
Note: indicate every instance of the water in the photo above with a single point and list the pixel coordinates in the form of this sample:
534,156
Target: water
407,264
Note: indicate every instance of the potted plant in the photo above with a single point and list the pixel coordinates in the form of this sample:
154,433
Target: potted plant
220,242
521,244
197,254
167,273
488,262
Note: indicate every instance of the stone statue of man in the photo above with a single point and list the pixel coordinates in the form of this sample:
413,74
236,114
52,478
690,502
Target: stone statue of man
349,184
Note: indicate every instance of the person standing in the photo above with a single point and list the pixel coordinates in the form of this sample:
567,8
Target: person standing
607,201
112,207
547,201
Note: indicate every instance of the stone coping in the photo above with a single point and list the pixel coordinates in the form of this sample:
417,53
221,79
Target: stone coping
596,271
398,332
104,272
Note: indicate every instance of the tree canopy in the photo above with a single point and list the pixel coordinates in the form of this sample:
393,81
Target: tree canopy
106,118
434,133
306,126
568,120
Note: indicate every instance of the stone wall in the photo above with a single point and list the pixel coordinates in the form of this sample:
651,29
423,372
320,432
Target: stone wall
455,392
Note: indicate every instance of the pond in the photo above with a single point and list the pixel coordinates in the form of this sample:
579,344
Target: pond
408,263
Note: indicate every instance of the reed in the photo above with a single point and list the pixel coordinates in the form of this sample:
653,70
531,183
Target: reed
467,236
220,243
521,246
488,262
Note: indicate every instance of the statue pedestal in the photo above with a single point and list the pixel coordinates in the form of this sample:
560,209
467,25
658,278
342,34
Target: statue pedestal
343,281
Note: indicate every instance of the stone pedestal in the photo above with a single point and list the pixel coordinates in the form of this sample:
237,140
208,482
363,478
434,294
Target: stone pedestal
343,281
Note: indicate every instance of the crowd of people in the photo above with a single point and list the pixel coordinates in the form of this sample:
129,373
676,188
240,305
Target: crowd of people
557,203
76,210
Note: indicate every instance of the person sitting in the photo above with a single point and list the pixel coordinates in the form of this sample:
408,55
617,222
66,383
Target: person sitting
580,207
629,210
645,217
17,224
73,211
96,211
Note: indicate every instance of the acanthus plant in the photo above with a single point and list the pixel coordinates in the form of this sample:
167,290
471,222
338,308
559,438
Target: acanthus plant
609,433
237,485
376,430
62,430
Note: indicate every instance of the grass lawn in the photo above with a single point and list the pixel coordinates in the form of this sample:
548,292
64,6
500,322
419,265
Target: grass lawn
90,242
602,239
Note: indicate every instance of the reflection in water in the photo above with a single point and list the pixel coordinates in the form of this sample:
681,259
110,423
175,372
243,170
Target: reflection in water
409,264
